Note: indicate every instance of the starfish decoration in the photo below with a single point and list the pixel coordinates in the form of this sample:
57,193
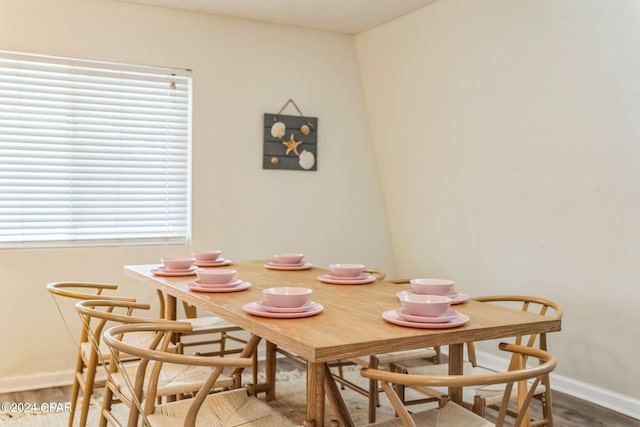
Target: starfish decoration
292,145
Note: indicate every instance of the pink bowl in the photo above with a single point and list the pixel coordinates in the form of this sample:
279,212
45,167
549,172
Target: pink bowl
177,263
217,276
425,305
288,258
206,255
287,297
346,270
432,286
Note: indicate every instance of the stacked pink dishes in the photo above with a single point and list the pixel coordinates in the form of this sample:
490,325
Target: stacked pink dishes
285,302
219,280
347,274
209,258
432,286
427,306
288,261
435,287
175,266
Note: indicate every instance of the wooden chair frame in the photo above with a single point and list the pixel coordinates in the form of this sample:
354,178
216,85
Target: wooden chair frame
530,304
144,384
84,378
525,378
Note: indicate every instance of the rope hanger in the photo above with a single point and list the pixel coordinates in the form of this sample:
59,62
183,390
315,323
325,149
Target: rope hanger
290,101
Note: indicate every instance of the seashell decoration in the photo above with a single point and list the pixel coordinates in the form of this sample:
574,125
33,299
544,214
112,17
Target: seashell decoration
286,137
306,160
278,130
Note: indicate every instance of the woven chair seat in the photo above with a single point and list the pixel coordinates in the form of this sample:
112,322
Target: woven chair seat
173,379
209,322
138,339
492,394
450,415
228,409
396,356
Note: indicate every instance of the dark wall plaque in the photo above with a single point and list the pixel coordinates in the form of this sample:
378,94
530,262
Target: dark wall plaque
290,142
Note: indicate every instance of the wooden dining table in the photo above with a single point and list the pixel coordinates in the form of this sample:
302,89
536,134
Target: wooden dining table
350,324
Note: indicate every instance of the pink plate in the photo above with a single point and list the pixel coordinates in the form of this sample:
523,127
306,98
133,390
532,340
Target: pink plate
282,264
392,316
163,271
256,309
199,284
326,278
242,286
289,267
457,298
360,277
268,307
447,316
217,263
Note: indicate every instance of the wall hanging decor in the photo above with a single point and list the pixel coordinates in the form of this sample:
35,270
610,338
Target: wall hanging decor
290,142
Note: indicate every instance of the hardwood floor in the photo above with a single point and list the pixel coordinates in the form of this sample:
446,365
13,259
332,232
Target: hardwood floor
568,411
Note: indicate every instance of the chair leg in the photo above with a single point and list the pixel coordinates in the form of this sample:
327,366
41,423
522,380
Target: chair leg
75,390
479,404
547,408
87,391
223,342
107,399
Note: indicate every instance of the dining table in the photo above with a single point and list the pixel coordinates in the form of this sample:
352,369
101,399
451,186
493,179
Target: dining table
349,324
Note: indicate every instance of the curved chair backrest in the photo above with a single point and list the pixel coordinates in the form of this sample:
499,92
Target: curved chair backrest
85,290
530,304
110,312
142,388
82,291
525,378
380,275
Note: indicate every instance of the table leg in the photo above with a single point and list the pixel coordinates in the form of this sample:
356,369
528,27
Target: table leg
270,370
168,309
456,355
315,394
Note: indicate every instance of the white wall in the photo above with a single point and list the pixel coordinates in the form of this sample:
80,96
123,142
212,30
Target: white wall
507,135
241,70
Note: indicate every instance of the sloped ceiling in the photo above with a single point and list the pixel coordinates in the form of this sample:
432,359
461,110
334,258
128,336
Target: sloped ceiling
347,16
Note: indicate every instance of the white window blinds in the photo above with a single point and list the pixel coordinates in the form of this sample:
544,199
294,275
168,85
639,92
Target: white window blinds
93,153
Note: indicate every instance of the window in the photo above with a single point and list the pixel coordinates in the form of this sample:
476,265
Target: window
93,153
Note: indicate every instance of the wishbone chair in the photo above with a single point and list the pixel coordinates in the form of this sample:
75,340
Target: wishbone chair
84,377
172,381
520,379
229,408
480,399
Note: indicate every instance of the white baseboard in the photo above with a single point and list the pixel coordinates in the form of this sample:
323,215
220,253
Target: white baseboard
600,396
34,382
589,392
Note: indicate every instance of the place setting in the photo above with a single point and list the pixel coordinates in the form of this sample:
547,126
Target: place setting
425,311
288,262
285,303
209,258
218,280
347,274
175,267
435,287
